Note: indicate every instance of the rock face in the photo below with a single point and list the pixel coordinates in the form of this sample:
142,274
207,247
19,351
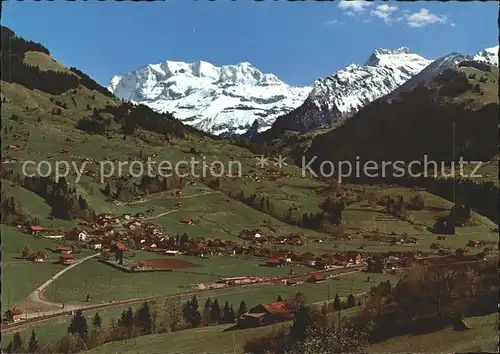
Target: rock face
223,100
344,92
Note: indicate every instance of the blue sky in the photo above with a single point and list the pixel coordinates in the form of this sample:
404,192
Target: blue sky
297,41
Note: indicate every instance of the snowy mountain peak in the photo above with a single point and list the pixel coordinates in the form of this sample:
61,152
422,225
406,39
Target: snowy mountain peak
381,57
489,56
217,99
344,92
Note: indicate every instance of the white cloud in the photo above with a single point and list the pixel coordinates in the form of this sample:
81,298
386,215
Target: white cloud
423,18
354,6
332,22
384,12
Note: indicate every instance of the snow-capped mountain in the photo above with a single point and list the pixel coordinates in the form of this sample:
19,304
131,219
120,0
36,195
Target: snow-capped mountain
220,100
449,61
344,92
489,56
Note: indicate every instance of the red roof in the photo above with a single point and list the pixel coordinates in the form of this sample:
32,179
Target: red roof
67,256
64,248
274,261
317,277
37,228
186,220
280,307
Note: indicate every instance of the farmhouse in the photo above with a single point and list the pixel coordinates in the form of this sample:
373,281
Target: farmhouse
77,234
316,278
64,249
187,221
275,262
12,315
35,229
270,313
67,259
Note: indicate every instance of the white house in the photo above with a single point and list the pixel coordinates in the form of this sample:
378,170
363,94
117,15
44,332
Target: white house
172,252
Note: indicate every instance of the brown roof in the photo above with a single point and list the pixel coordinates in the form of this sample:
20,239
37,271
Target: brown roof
64,248
281,307
67,256
37,228
274,260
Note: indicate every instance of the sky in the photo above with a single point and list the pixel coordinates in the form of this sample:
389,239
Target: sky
297,41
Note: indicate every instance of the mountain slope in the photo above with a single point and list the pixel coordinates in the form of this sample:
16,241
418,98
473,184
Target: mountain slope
219,100
421,122
488,56
449,61
344,92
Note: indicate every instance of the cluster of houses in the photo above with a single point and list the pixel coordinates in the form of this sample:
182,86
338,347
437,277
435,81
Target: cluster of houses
256,236
324,261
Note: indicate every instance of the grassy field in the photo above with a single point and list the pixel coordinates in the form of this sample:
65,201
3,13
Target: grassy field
20,277
50,331
482,337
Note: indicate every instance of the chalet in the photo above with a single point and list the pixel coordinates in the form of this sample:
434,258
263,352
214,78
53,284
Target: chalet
270,313
172,253
67,259
35,229
316,278
66,151
76,234
275,262
13,147
126,216
64,249
187,221
12,315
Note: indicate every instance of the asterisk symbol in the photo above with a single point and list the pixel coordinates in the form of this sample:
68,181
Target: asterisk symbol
280,161
262,161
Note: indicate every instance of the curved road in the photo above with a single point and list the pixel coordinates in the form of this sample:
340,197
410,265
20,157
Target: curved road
35,295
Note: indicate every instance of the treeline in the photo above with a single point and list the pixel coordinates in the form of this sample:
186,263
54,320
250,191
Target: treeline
407,130
124,189
327,220
132,117
211,314
64,200
14,69
90,83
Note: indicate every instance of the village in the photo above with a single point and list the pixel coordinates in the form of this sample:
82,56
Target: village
114,235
